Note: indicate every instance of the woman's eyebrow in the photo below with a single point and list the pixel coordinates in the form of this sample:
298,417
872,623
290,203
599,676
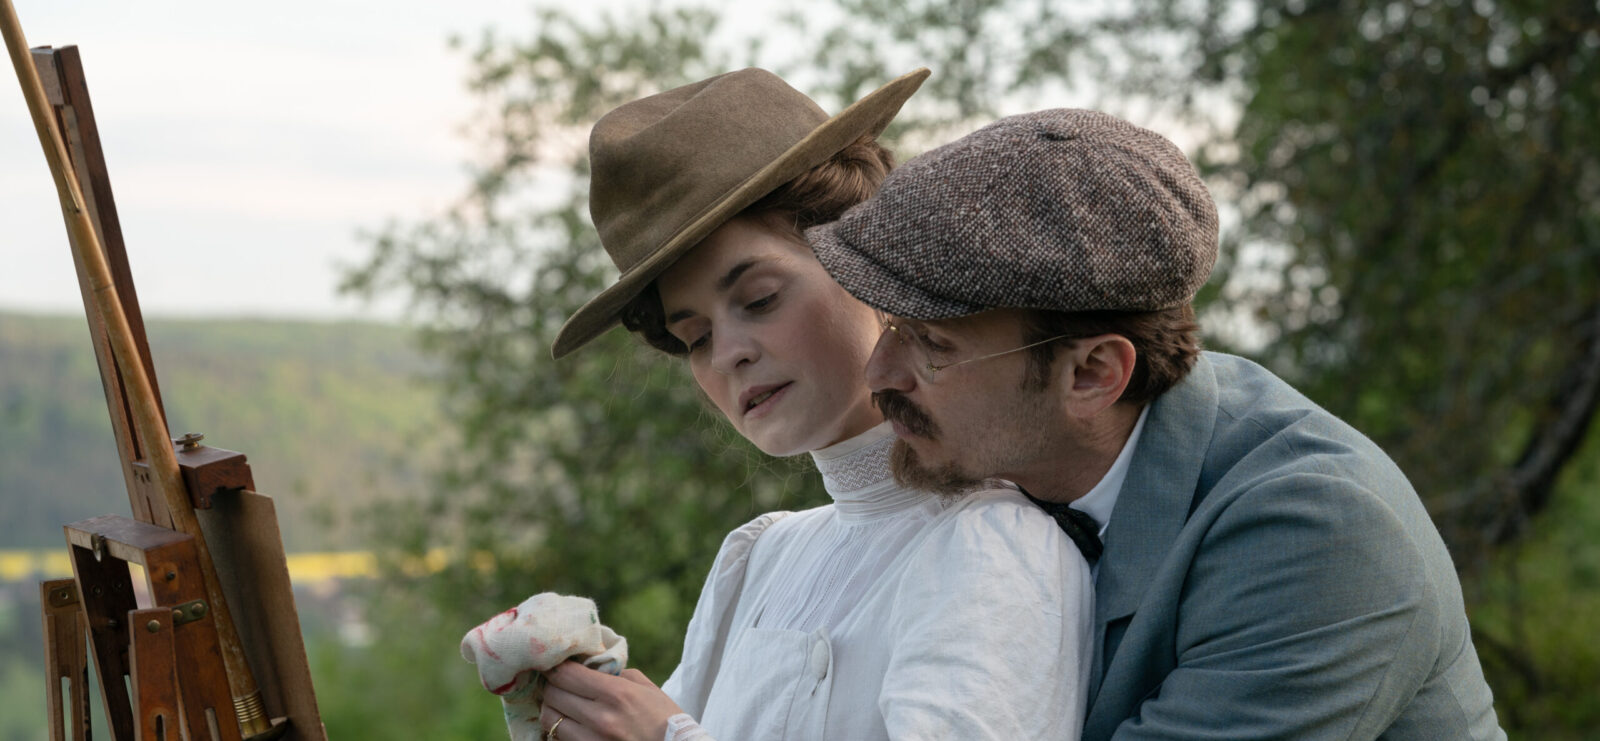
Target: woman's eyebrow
723,284
733,274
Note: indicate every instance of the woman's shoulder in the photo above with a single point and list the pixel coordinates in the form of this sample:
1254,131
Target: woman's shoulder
997,548
997,506
784,521
770,520
1002,525
768,527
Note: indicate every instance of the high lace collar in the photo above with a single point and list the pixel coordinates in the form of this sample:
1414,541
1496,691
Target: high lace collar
856,474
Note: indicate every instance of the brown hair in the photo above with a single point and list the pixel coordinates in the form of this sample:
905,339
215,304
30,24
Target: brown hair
817,196
1166,344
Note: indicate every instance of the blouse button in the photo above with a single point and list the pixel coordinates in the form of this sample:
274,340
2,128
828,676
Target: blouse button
819,659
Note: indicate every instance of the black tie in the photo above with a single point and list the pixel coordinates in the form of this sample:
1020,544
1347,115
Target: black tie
1077,524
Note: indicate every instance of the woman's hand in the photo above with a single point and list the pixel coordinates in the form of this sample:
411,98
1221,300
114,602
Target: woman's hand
595,706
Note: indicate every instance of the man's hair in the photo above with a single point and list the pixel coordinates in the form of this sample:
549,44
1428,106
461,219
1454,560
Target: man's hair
1166,344
817,196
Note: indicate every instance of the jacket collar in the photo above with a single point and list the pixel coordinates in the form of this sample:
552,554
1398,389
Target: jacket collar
1156,498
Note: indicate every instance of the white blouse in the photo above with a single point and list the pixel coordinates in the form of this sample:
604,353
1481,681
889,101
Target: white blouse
889,614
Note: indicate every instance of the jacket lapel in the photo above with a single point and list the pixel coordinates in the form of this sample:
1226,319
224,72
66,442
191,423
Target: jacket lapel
1154,502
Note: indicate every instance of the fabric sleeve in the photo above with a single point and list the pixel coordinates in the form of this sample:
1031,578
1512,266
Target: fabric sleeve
991,628
681,727
707,634
1307,613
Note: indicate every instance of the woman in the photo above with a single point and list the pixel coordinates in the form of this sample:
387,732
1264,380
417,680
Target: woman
891,613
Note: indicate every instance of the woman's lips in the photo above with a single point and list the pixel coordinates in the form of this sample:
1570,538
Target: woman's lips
759,406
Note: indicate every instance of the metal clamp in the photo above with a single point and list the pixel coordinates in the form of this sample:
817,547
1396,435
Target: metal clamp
189,612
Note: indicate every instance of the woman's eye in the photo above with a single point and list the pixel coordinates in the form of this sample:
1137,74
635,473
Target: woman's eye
762,303
699,342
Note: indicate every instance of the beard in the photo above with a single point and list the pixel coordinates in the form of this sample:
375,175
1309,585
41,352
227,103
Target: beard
909,471
945,480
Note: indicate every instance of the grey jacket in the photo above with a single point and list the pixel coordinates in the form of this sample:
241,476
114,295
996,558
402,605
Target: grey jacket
1269,573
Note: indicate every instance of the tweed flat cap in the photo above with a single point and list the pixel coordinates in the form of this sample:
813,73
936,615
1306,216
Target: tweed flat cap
1067,210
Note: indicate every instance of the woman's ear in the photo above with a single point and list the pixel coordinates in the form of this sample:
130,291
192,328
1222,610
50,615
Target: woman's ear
1100,369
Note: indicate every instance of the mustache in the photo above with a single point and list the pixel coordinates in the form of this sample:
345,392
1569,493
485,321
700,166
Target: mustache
897,408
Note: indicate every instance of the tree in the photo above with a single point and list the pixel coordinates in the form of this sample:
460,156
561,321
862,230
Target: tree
1426,177
1412,239
1418,243
1434,173
603,475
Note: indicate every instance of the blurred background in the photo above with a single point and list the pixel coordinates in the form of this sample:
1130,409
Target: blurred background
356,227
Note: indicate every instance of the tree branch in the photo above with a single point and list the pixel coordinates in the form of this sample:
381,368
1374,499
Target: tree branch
1532,480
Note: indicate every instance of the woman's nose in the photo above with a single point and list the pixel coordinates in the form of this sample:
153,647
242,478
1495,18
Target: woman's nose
731,349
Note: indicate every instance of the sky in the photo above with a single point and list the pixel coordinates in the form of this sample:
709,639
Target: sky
248,145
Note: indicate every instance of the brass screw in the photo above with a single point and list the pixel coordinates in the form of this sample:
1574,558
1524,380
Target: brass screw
154,626
177,614
172,575
198,609
190,440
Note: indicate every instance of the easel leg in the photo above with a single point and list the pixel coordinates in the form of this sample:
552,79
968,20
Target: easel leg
155,679
66,657
207,708
106,589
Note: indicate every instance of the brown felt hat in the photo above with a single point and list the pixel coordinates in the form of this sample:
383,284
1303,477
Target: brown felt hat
667,170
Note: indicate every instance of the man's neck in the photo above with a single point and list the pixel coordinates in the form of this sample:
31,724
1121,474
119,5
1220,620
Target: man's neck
1077,457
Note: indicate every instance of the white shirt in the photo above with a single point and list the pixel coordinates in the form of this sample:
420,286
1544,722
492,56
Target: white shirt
1099,501
889,614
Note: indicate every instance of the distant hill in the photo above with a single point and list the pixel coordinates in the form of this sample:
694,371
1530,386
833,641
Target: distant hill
331,415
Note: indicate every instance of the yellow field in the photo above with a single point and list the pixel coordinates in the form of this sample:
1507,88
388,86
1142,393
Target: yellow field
17,565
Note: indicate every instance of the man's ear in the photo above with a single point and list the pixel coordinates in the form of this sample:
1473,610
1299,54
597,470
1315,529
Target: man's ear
1101,368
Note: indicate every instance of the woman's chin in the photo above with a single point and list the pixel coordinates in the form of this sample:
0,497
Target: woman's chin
780,448
782,441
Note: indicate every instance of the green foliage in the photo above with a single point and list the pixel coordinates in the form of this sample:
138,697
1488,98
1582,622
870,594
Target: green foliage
1411,238
600,475
58,460
21,695
21,681
419,688
1418,248
332,416
1533,621
1418,187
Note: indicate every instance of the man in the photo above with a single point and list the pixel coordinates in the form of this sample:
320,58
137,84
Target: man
1267,571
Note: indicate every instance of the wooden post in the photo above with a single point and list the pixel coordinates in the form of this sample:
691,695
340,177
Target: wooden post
66,659
155,677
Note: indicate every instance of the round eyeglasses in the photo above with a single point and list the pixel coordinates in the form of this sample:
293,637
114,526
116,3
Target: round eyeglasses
932,357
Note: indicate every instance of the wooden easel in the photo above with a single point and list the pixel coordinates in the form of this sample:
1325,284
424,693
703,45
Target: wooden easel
228,578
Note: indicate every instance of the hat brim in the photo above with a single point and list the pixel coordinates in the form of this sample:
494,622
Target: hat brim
875,285
869,115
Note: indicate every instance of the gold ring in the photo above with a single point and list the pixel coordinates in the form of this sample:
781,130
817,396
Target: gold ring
550,735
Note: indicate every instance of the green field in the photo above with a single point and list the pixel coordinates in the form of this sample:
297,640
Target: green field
331,415
338,416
